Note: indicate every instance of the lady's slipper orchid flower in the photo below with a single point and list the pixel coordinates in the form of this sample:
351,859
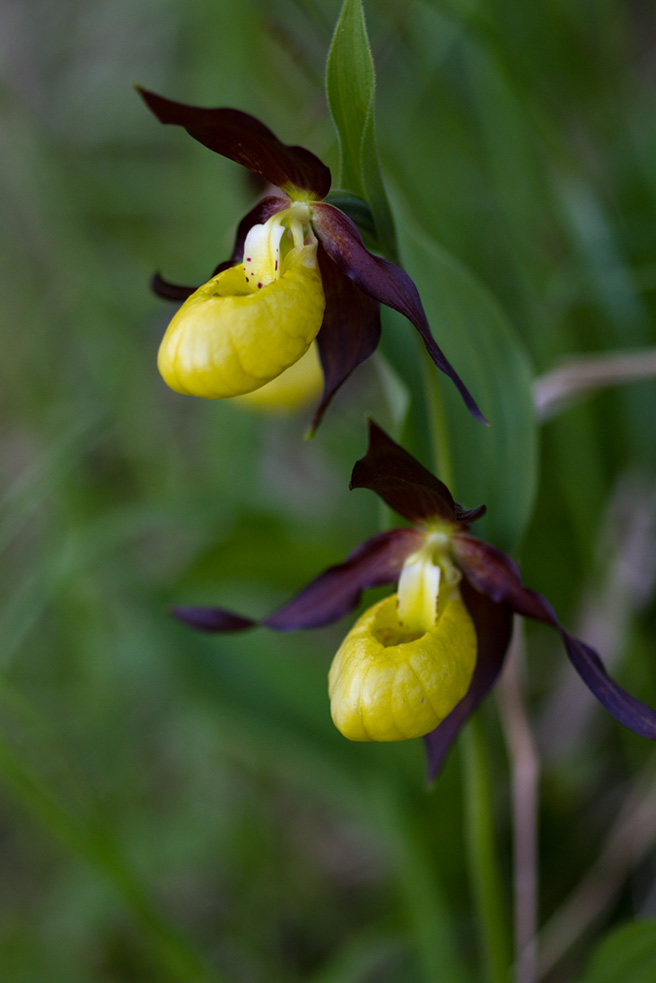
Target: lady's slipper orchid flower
299,270
419,662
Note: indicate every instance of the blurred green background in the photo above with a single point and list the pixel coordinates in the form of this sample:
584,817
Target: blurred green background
177,807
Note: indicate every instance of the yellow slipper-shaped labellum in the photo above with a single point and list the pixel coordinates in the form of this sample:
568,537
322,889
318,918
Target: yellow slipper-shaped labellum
231,336
388,684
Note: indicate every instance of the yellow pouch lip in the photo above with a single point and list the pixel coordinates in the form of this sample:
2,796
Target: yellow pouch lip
399,691
230,338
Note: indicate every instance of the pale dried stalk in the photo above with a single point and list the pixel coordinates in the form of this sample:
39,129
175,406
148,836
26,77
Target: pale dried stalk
629,841
558,389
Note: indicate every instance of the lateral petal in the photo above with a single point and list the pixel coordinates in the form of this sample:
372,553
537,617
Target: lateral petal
494,574
170,291
333,594
212,619
382,280
337,590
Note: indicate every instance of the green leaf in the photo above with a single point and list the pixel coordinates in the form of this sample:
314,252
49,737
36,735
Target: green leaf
375,188
628,953
350,89
350,84
495,465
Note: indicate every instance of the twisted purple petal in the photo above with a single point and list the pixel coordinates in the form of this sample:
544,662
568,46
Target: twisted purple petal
494,574
337,591
383,280
333,594
170,291
212,619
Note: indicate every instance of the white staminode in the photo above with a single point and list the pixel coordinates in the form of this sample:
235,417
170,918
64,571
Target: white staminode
420,582
418,589
264,246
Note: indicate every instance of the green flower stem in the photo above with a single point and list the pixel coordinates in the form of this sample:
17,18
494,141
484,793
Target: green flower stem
482,856
439,432
484,871
425,900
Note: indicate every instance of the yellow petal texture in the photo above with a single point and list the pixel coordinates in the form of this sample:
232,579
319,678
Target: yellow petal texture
291,390
388,684
231,336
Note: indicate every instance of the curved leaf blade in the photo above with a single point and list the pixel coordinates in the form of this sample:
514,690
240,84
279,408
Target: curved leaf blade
351,91
496,465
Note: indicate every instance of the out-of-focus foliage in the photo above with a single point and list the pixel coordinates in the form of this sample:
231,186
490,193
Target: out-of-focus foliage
176,807
630,949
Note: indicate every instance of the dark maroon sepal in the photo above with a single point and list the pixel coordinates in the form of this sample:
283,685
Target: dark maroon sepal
337,591
383,280
170,291
493,624
242,138
349,333
212,619
404,484
494,574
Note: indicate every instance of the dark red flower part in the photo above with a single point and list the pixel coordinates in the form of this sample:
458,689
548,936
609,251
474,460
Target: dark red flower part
334,593
242,138
355,281
494,625
492,573
406,485
344,342
383,280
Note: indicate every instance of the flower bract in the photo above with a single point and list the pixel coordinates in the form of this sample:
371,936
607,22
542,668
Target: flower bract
299,270
420,661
